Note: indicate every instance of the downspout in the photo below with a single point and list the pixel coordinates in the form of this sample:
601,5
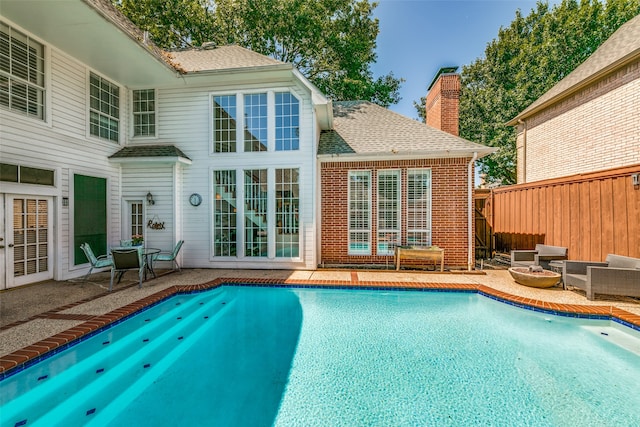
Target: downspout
470,236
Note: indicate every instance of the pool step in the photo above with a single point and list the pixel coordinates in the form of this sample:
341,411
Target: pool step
122,351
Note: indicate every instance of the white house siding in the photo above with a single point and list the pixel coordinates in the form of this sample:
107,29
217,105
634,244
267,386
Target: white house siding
160,181
184,120
61,144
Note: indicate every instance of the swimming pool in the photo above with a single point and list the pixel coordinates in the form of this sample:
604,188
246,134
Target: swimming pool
263,356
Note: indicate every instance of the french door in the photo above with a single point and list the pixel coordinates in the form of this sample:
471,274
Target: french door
27,255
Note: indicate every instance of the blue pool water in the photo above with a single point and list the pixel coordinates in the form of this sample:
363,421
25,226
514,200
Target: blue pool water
247,356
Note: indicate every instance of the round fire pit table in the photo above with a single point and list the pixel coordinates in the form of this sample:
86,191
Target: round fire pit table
535,279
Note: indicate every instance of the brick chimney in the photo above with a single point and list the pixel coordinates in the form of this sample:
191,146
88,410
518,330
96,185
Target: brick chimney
443,97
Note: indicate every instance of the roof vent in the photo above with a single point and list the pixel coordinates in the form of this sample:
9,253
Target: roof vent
208,45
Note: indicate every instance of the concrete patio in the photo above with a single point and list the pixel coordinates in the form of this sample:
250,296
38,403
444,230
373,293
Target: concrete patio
33,313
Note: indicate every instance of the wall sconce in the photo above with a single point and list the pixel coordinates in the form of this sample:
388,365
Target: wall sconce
635,179
150,200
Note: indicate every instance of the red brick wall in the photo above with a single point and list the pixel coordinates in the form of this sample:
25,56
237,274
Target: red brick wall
442,104
449,185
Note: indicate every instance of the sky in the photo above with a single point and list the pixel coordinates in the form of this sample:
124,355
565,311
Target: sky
418,37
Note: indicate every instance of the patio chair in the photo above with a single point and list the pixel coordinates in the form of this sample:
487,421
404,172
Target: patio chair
166,256
125,260
101,261
541,255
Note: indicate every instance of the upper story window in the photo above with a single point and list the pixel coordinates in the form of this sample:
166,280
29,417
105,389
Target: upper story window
287,122
21,73
104,108
254,122
224,124
255,116
144,112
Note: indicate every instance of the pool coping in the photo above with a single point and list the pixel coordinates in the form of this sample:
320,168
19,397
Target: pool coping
33,353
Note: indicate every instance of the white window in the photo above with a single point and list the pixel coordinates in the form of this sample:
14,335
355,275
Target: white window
388,211
255,213
287,122
225,208
255,122
224,124
136,218
359,212
21,73
287,213
419,207
144,112
104,108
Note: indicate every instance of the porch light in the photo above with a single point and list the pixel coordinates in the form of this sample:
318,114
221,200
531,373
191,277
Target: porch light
150,200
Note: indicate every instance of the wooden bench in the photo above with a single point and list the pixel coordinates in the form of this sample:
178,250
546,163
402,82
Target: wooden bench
422,254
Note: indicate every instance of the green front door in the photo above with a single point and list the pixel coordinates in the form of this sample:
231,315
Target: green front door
89,216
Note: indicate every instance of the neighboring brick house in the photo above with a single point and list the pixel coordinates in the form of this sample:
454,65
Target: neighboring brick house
578,160
590,120
388,180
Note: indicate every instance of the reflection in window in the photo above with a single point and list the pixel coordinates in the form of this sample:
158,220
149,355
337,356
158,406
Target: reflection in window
104,108
224,124
224,190
287,122
255,116
255,212
287,216
144,112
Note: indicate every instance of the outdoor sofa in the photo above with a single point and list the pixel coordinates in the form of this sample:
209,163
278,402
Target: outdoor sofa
541,256
618,275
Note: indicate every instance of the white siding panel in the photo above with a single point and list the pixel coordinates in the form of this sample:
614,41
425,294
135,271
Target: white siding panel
68,92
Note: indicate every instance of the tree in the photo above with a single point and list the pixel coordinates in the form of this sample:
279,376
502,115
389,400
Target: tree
527,59
331,42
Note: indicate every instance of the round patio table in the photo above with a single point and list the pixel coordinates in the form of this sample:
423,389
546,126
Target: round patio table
149,255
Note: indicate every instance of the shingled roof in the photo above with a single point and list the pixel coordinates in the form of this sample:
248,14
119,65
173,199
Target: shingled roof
363,128
157,152
231,57
618,50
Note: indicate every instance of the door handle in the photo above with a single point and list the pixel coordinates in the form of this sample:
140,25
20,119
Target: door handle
10,245
1,246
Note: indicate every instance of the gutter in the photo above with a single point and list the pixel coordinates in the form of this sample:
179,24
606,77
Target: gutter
524,151
471,213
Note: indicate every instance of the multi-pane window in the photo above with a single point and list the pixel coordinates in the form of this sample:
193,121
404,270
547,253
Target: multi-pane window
224,188
224,124
137,219
104,108
359,212
255,116
21,73
287,213
419,207
255,212
287,122
388,211
144,112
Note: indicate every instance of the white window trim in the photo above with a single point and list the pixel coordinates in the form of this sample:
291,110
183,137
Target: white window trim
384,230
132,131
428,228
351,251
240,122
46,119
121,121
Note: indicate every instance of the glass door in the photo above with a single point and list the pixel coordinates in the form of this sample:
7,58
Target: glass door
28,240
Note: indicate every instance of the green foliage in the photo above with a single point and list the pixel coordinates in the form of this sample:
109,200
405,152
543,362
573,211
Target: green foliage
528,58
331,42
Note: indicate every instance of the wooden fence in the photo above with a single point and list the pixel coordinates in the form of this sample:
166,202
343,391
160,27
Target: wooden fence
591,214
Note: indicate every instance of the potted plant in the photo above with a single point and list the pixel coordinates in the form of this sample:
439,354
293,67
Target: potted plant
137,240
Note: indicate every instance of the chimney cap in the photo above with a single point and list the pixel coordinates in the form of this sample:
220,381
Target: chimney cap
443,70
